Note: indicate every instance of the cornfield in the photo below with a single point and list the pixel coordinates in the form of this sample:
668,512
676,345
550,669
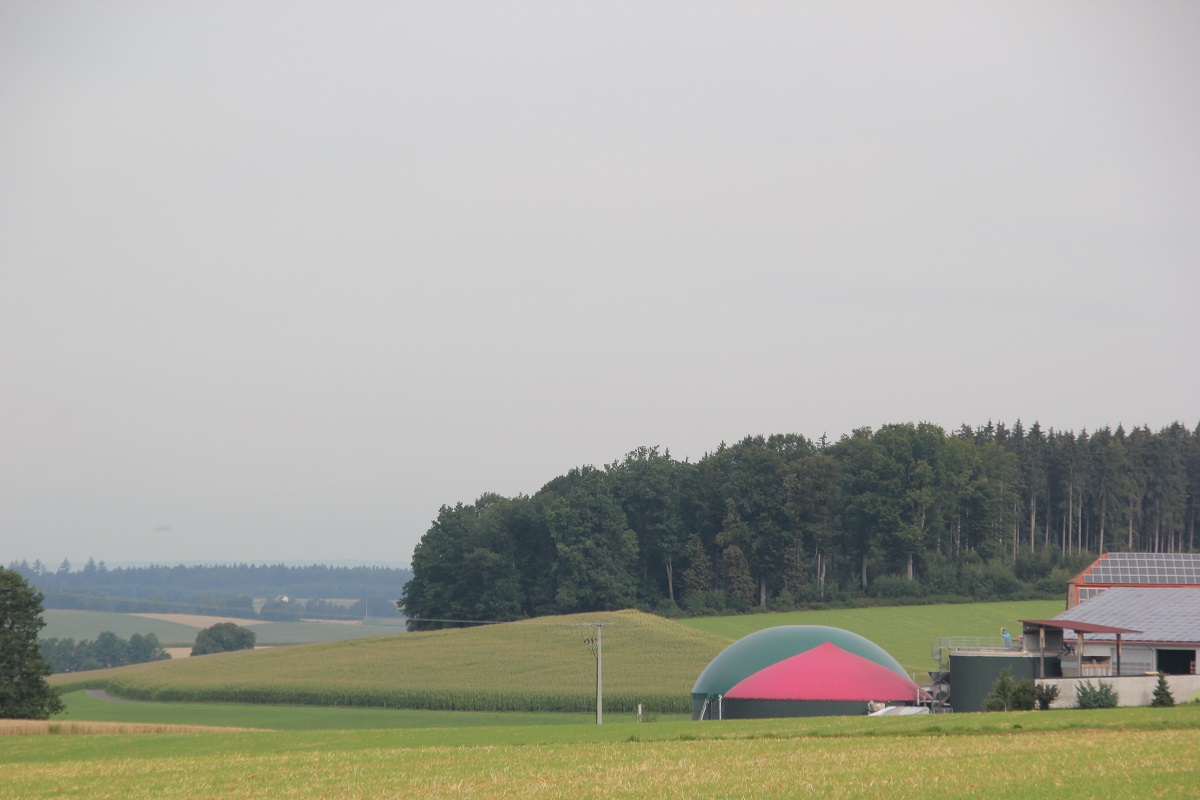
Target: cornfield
546,664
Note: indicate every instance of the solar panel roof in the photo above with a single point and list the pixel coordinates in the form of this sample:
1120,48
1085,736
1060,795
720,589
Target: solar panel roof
1145,568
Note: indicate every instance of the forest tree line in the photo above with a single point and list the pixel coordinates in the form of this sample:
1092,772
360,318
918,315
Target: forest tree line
106,650
221,590
905,511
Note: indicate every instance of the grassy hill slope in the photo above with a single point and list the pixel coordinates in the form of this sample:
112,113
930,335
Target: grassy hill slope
533,665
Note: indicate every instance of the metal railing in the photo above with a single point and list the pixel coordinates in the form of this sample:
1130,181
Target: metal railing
946,644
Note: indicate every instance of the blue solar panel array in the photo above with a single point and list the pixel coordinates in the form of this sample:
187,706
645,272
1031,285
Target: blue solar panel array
1148,569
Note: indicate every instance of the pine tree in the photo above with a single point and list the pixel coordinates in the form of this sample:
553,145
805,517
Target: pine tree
794,566
698,578
738,581
1162,693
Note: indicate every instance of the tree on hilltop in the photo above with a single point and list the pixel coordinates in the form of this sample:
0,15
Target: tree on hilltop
222,638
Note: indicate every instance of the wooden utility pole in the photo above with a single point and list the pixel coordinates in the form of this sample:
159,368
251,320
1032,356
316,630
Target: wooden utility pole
595,644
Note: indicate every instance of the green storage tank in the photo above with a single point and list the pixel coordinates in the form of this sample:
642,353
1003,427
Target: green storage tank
973,673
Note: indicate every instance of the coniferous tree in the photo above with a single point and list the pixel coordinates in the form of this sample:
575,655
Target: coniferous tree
699,577
739,584
1162,693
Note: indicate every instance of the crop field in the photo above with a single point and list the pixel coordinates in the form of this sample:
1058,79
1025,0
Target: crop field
77,625
906,632
42,727
535,665
538,665
1147,753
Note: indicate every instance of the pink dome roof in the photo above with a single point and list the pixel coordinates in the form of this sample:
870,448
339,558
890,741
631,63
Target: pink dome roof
826,672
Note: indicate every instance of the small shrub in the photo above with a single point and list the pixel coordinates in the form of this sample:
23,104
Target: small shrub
1162,693
991,581
668,609
784,601
1008,694
1101,696
1045,695
895,587
708,603
1054,584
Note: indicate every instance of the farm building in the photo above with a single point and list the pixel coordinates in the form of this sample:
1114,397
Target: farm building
1160,632
1157,570
1125,633
800,670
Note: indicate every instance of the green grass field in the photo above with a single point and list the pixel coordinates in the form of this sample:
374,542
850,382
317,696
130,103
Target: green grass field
907,632
78,625
81,707
342,753
1147,753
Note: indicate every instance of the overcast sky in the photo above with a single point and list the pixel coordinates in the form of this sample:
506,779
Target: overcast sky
279,279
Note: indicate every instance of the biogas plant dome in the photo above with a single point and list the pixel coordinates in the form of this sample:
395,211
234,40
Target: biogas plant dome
798,671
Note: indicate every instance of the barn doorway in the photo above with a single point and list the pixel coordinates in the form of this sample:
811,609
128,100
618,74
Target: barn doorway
1177,662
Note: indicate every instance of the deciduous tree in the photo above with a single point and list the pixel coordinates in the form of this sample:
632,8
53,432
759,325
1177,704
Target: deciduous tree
223,637
24,693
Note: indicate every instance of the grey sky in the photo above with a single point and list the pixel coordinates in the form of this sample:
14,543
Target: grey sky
277,280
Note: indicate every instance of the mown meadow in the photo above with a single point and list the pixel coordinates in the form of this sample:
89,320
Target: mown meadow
1147,753
80,707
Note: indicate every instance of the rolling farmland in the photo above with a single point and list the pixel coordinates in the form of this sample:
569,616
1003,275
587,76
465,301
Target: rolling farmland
377,752
63,624
534,665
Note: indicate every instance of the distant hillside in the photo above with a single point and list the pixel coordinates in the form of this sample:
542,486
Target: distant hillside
222,590
78,625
